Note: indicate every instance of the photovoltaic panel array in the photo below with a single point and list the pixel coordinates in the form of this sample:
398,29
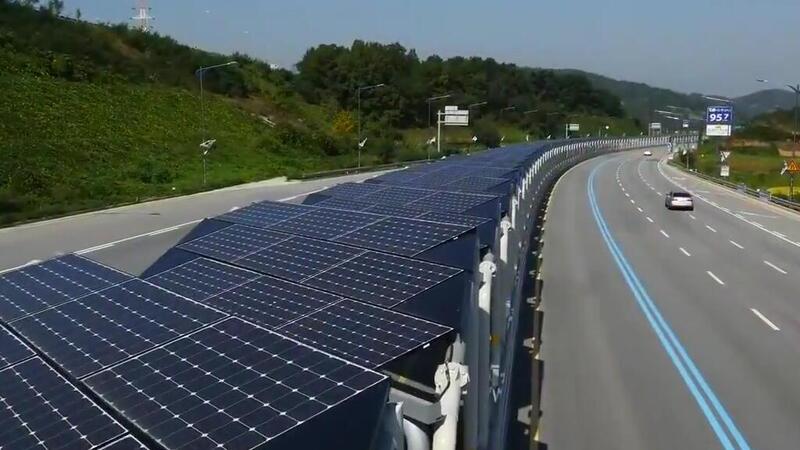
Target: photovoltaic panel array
264,214
298,258
395,196
365,334
450,201
201,278
474,184
125,443
234,242
12,350
35,288
231,385
344,203
459,219
41,409
396,211
403,236
101,329
382,279
325,223
353,190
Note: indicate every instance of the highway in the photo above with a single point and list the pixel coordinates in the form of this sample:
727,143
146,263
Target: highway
667,329
130,238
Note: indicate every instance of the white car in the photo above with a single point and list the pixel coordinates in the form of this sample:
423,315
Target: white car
648,153
679,200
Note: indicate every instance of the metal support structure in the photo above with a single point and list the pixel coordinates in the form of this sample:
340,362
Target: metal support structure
450,378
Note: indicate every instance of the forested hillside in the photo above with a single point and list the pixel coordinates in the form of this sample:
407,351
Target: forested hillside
96,114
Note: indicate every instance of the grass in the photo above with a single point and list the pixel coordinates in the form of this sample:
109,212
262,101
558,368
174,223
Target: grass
757,167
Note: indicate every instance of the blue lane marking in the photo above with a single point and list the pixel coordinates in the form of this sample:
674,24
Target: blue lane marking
709,404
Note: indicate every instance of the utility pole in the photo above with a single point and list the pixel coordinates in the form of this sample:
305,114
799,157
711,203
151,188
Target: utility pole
206,145
358,97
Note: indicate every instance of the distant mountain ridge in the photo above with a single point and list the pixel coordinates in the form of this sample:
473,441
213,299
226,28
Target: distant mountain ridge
640,99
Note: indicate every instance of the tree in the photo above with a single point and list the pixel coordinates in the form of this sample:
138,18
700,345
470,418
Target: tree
56,7
78,14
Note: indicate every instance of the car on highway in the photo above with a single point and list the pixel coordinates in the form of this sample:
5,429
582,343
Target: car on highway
679,200
648,153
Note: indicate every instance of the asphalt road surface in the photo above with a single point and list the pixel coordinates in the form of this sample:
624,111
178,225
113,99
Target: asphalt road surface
131,238
667,329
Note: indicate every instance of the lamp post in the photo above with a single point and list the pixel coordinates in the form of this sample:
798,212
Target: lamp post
358,97
507,108
796,90
430,100
206,144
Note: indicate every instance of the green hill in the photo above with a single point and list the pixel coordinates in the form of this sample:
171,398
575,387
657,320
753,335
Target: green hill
94,115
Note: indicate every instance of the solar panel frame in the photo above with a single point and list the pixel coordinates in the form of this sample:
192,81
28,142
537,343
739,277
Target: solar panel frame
40,408
35,288
382,279
368,335
232,384
96,331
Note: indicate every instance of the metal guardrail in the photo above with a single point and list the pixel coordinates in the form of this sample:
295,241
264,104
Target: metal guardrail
764,196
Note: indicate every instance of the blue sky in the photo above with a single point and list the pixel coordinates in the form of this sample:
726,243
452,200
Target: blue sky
709,46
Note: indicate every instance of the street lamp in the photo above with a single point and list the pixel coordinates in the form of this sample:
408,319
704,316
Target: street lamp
429,100
358,96
796,90
507,108
200,73
530,111
475,105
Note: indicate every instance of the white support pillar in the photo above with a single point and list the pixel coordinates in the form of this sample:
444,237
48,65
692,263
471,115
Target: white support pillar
487,269
449,379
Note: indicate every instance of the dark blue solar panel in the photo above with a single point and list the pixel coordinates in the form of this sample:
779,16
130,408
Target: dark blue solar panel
325,223
101,329
460,219
201,278
126,443
382,279
451,201
36,288
233,242
232,385
343,203
271,302
12,350
352,190
264,214
365,334
497,172
403,236
395,195
298,258
41,409
474,184
396,211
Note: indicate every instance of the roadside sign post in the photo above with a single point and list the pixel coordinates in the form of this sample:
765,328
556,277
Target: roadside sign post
451,117
793,168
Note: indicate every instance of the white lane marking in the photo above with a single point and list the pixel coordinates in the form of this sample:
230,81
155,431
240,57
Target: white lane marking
659,193
233,209
627,195
633,202
150,233
711,229
29,263
775,267
650,220
665,234
737,245
623,189
711,274
685,252
765,320
758,215
640,209
303,194
780,235
757,224
692,216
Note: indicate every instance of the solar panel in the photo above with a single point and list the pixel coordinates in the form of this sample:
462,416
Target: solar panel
12,350
460,219
352,190
451,201
231,385
298,258
403,236
396,211
498,172
264,214
126,443
343,203
233,242
474,184
201,278
41,409
325,223
35,288
395,195
365,334
101,329
382,279
271,302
